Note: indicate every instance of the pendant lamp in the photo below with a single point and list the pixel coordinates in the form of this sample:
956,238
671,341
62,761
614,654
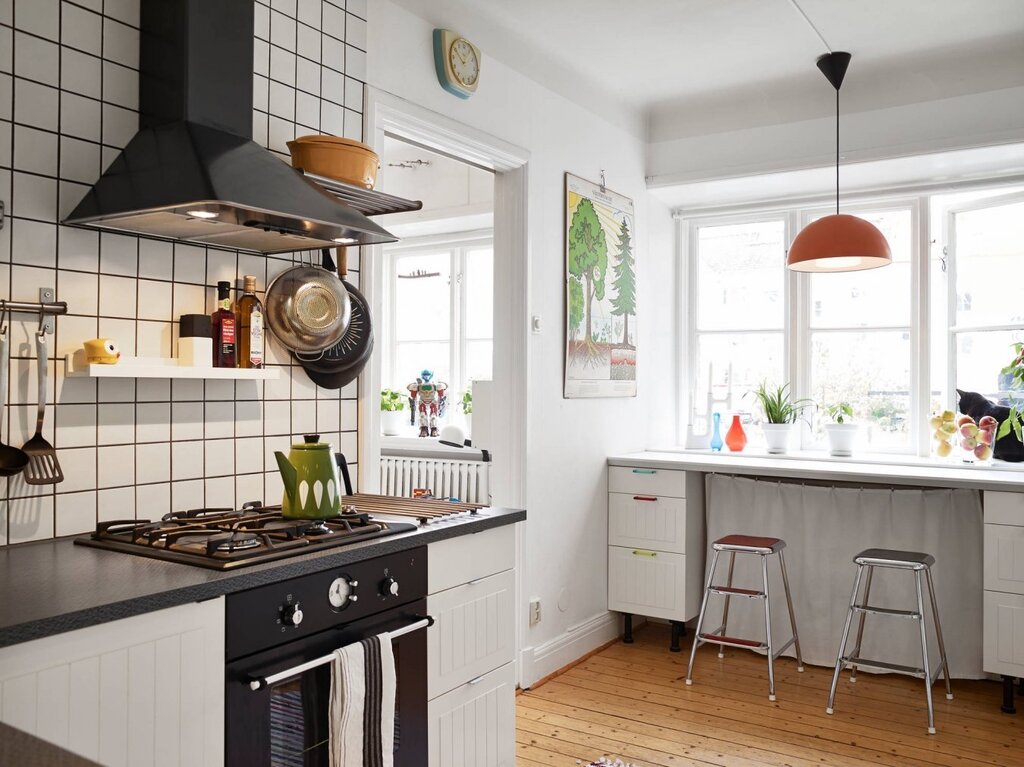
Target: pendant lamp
840,242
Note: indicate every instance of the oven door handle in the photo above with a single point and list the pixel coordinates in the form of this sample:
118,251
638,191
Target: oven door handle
260,682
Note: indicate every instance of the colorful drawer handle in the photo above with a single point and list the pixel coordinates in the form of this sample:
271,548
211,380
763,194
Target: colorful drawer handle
642,553
645,471
644,498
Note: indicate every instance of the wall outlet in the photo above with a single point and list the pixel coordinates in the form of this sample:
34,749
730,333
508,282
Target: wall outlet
534,611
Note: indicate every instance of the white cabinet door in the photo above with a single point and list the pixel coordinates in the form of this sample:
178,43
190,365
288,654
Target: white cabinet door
1004,634
474,724
470,557
472,632
146,690
645,582
627,479
1004,558
647,521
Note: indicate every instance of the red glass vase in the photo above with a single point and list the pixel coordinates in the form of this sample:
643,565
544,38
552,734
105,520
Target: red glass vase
736,438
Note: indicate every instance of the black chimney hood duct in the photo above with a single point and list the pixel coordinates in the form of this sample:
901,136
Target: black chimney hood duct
192,172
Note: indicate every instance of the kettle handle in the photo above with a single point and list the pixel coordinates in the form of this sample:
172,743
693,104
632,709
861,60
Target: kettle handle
339,458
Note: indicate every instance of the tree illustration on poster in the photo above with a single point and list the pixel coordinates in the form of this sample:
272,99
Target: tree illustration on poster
601,308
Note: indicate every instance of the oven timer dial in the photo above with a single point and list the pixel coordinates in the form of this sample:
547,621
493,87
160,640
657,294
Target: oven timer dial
291,615
342,592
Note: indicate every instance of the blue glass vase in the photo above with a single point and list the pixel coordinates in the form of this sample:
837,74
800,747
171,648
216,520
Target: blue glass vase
716,436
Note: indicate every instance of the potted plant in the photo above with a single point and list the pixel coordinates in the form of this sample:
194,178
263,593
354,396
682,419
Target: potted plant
780,413
466,408
841,433
392,415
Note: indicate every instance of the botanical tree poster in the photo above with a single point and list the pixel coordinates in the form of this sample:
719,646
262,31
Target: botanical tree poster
600,291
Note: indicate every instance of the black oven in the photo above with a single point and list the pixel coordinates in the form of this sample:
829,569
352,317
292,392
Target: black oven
277,690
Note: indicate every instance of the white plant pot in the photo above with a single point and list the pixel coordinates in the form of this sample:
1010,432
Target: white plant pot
468,419
776,437
394,422
841,437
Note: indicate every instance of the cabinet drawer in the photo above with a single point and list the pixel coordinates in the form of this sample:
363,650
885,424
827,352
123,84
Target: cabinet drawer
647,521
651,583
470,557
627,479
1004,634
1004,508
1004,558
472,633
474,724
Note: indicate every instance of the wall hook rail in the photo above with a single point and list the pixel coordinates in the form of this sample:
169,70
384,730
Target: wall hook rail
46,308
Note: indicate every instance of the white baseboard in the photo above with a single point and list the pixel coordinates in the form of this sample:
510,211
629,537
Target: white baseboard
537,662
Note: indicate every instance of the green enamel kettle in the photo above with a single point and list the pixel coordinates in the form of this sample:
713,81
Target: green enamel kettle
310,475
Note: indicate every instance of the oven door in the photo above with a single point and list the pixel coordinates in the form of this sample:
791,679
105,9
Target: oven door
286,724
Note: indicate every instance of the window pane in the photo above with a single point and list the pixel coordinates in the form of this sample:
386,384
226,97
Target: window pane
989,257
412,358
871,371
479,281
874,297
422,303
741,276
478,361
980,357
734,364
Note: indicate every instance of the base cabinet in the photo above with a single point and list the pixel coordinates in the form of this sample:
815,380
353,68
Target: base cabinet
146,690
474,724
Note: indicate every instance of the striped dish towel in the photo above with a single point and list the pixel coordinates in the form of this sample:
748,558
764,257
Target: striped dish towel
363,704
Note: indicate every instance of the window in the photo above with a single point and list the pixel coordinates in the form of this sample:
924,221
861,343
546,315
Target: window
857,337
439,296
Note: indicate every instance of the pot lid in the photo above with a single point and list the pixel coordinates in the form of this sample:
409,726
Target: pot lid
335,140
311,442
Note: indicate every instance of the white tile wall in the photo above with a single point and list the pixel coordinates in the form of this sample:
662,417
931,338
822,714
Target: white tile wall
138,449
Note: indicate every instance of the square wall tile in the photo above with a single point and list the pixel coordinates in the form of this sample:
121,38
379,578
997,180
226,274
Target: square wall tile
80,291
153,462
116,503
186,460
75,426
33,243
248,419
81,29
35,151
79,161
79,250
152,421
116,389
220,457
154,390
29,519
154,300
220,491
36,59
80,73
116,425
79,467
187,495
117,296
79,116
75,513
153,339
34,197
187,420
120,43
152,501
40,17
249,455
156,259
115,466
220,420
119,254
35,104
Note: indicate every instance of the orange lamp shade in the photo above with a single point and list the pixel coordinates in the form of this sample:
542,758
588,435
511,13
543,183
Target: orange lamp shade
839,243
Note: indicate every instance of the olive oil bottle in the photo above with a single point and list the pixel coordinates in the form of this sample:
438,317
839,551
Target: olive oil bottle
250,326
224,327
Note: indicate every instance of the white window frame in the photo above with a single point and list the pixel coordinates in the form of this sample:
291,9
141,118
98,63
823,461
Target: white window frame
459,244
954,329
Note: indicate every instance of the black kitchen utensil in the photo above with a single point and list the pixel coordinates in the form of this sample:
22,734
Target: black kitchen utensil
43,467
343,362
12,460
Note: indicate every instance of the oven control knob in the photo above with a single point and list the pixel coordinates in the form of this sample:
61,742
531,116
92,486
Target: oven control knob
291,615
389,587
342,592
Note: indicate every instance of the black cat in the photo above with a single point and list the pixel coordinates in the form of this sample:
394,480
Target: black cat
976,406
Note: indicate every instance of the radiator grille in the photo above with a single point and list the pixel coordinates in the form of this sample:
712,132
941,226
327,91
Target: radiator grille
465,480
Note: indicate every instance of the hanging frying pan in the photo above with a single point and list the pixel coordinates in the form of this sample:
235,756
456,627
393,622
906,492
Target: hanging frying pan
342,363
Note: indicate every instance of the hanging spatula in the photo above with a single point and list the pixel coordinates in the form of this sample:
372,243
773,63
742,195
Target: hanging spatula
43,467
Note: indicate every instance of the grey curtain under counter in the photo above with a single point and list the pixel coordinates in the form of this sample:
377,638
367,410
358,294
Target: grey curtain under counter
824,527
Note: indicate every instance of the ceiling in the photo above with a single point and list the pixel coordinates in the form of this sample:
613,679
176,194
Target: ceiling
669,59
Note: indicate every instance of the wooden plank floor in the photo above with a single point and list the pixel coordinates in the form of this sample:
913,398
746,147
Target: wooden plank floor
631,702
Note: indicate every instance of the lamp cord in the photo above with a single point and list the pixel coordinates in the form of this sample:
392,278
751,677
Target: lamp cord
837,151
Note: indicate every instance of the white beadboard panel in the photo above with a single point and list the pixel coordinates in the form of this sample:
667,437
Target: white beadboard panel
1003,651
141,691
474,724
472,632
647,521
1004,558
651,583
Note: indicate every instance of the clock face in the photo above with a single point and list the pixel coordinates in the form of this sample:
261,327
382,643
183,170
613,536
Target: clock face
464,63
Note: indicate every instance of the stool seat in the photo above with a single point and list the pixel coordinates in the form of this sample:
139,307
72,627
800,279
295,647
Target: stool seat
907,560
749,544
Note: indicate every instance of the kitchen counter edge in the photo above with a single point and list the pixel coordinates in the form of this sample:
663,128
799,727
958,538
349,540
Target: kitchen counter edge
52,587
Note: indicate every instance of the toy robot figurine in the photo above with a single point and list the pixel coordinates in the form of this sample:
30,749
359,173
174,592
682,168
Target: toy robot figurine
431,404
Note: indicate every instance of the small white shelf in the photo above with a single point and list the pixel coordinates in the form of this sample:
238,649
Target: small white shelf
160,367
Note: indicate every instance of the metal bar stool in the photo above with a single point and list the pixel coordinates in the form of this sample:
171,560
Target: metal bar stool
899,560
763,547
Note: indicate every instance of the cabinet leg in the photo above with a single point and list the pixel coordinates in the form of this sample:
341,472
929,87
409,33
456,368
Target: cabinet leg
1008,707
627,637
678,630
1020,686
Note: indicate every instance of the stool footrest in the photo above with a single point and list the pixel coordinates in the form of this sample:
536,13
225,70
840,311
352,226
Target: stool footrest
884,666
912,614
730,591
732,641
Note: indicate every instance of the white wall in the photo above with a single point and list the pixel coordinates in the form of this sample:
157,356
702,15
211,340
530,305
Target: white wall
564,541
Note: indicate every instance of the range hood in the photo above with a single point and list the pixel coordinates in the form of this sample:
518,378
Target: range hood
192,172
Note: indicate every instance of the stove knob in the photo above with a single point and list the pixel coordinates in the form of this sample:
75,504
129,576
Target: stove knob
291,615
389,587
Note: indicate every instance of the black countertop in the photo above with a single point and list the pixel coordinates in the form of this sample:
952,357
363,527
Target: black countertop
50,587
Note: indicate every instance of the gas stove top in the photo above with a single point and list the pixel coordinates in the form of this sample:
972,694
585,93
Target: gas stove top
224,539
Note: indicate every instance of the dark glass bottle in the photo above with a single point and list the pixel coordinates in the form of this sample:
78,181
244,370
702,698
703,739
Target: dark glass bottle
249,313
223,321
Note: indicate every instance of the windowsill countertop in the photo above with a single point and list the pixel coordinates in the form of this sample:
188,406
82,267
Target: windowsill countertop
867,468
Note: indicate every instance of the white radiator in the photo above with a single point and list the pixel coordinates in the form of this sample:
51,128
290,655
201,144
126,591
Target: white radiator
465,480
